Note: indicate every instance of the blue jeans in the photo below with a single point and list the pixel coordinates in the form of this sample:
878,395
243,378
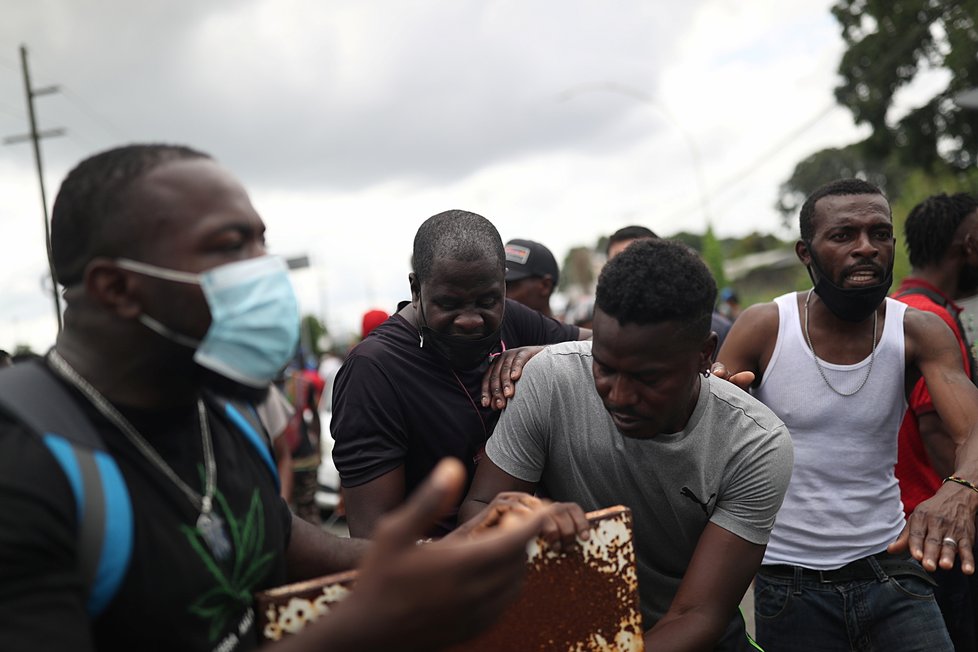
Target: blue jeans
883,613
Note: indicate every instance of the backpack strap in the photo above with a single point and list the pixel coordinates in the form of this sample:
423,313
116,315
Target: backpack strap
927,292
31,395
246,420
944,303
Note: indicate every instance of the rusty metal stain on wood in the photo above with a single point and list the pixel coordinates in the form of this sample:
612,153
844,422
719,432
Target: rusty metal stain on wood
581,600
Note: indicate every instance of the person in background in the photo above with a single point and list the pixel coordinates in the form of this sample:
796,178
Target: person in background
729,305
942,241
304,388
531,275
371,320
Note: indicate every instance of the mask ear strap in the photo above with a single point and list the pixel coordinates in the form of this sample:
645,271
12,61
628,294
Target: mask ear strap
167,332
419,317
158,272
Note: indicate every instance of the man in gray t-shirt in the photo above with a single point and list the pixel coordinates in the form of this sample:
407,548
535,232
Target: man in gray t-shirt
631,419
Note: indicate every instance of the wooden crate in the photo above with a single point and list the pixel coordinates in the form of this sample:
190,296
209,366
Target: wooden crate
585,599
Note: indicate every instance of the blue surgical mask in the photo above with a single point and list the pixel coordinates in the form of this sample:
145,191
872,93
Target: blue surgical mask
254,327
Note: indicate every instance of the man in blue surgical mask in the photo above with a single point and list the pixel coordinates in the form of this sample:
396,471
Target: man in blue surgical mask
429,382
139,506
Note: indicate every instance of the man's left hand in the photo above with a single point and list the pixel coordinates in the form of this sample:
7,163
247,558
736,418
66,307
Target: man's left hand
498,385
941,528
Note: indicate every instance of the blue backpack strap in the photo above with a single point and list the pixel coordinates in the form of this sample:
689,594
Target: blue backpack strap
245,418
31,395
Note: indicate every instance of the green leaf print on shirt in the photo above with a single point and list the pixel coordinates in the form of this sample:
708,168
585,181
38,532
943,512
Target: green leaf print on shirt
250,564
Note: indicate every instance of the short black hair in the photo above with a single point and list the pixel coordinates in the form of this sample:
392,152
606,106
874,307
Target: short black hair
625,233
656,281
89,214
837,188
932,223
455,235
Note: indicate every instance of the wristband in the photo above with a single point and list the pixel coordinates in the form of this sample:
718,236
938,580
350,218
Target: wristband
962,482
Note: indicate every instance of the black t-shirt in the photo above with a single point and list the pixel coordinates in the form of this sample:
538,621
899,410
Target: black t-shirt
174,596
396,403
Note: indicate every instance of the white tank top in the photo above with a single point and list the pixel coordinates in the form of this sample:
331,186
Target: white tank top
843,501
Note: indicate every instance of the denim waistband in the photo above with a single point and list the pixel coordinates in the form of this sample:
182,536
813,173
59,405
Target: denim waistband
878,567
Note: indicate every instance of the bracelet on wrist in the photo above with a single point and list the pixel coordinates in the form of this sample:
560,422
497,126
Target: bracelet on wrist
962,482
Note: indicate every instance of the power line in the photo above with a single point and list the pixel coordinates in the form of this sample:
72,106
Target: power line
35,136
87,109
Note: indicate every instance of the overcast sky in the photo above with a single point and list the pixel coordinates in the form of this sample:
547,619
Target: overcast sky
350,122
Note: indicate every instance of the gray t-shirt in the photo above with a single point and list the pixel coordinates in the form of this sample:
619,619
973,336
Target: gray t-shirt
730,465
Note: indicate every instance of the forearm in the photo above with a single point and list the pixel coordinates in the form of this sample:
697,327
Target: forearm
314,552
966,457
938,443
471,508
686,631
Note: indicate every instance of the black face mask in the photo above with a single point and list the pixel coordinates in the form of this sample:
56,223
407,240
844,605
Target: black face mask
849,304
461,353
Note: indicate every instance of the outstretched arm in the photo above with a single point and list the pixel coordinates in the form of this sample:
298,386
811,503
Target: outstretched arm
714,583
410,597
943,526
495,492
747,347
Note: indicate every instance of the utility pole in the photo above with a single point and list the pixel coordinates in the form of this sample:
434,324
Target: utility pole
35,137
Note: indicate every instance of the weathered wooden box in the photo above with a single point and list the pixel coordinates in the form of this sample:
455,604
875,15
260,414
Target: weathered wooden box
582,600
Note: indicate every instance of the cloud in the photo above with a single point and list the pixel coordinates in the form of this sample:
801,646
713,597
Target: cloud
351,122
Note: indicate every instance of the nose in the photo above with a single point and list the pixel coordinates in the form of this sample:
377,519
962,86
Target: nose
469,321
866,246
620,393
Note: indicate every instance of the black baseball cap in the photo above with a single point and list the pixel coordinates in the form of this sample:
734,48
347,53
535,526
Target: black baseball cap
525,258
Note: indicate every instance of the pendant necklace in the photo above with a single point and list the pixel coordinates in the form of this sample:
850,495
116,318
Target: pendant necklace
818,365
209,524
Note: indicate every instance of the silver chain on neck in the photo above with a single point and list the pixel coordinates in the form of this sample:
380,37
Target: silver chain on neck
818,365
202,503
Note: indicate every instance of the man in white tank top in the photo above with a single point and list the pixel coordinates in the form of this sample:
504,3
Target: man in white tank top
835,364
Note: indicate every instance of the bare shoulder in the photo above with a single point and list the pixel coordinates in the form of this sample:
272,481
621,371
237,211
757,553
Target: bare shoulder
756,324
749,343
925,333
921,323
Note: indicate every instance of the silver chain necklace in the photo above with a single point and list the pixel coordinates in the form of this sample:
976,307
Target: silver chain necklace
209,524
818,365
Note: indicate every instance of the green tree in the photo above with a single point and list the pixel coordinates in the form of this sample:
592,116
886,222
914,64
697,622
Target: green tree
312,335
889,44
578,269
713,255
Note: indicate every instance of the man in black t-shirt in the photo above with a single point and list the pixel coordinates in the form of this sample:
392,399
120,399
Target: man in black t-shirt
413,392
176,319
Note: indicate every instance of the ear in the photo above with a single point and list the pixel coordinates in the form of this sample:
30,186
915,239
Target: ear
970,249
415,289
708,352
112,288
804,255
547,285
